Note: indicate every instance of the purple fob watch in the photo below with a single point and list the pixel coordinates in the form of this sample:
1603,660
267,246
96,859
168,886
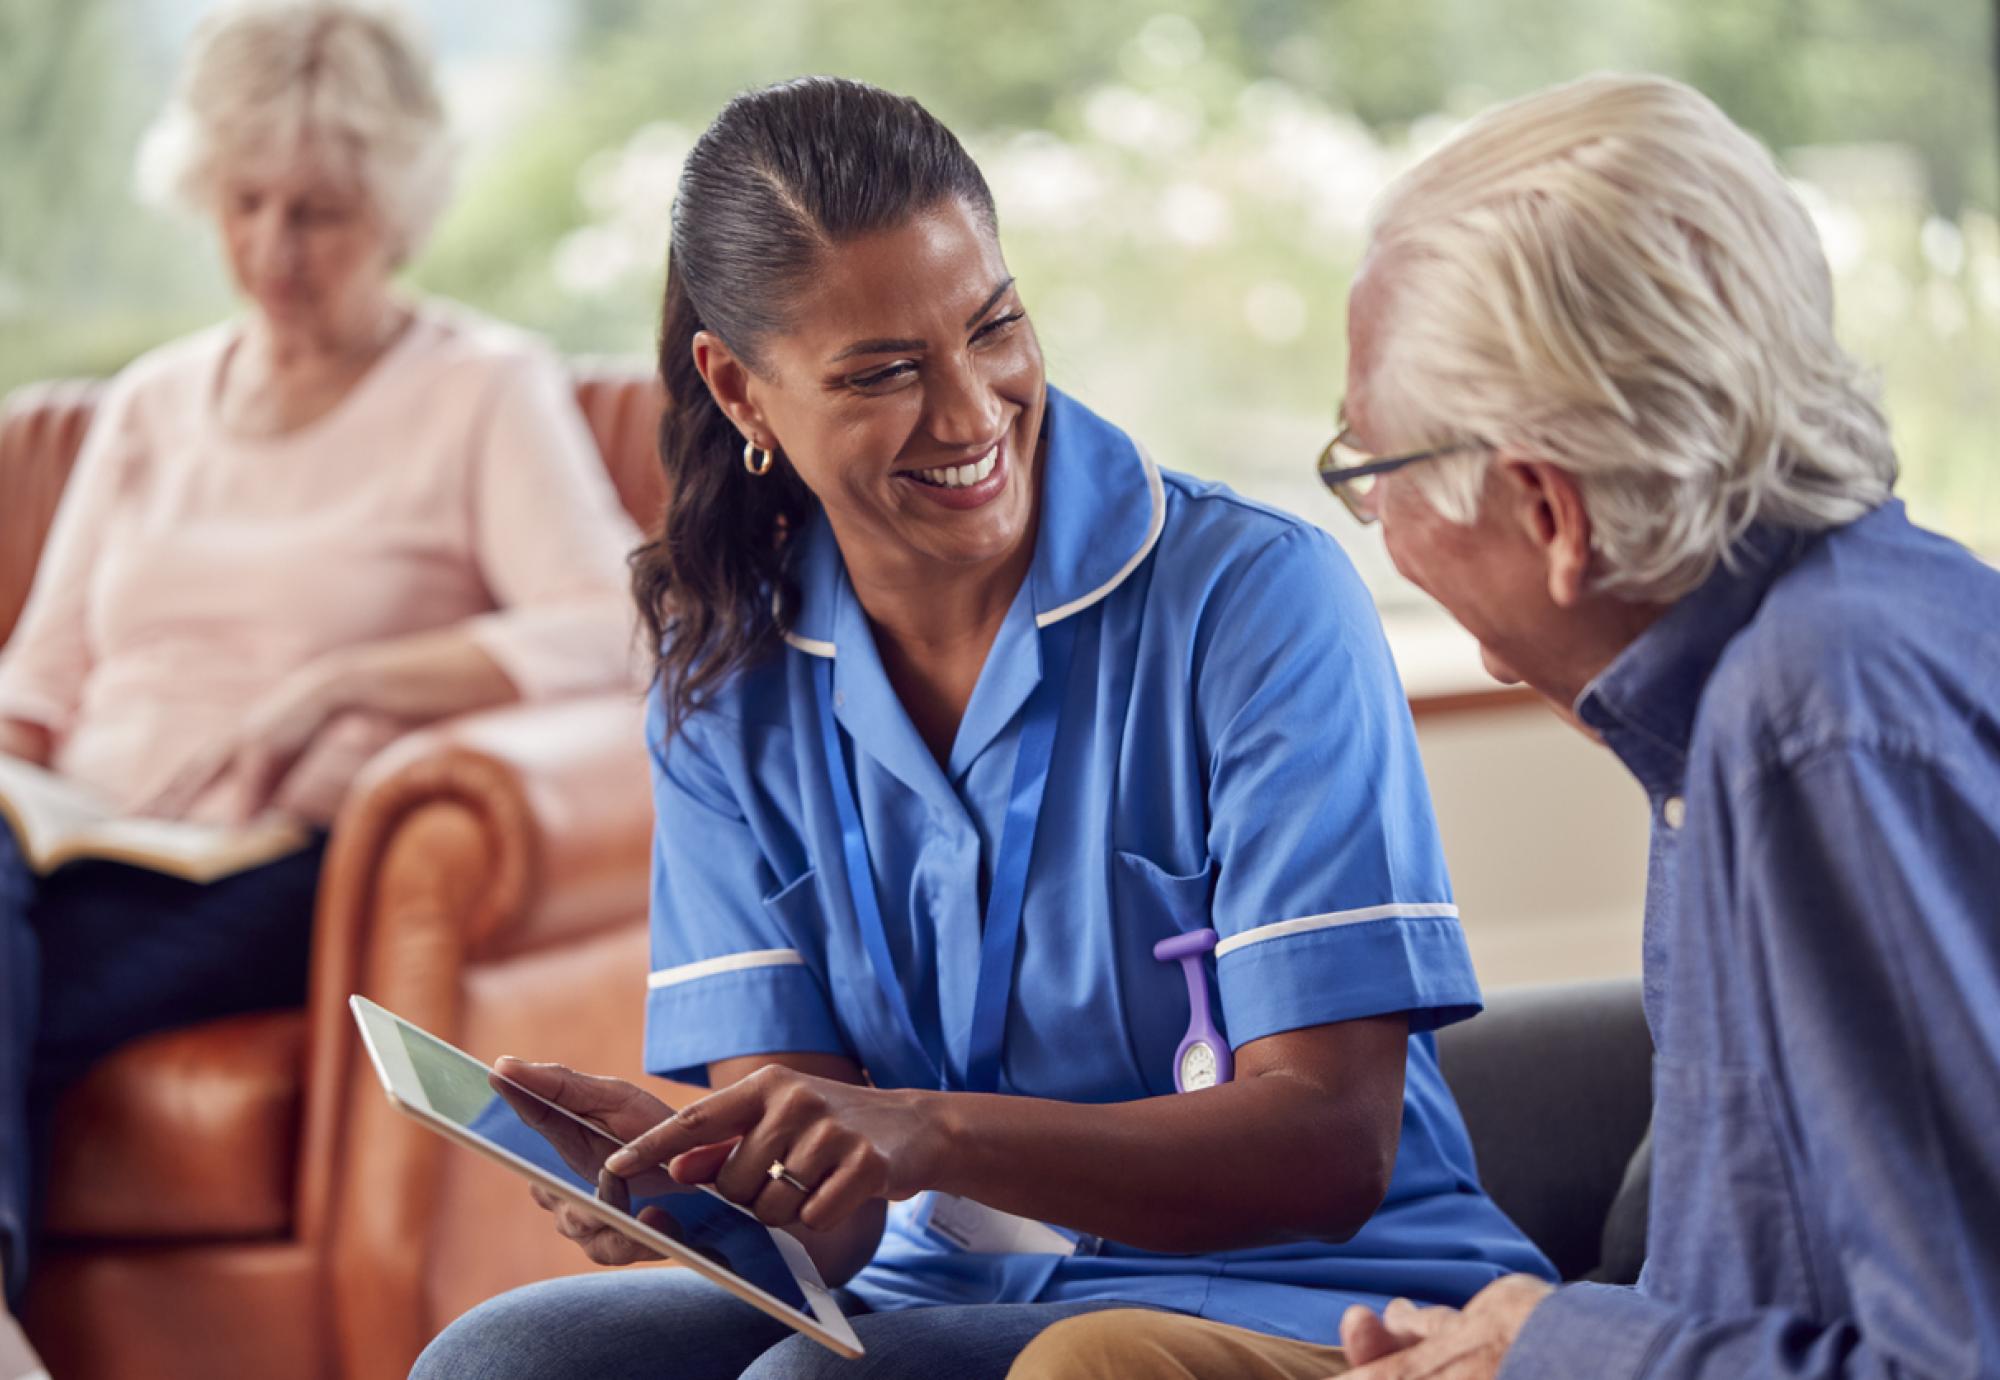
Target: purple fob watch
1203,1059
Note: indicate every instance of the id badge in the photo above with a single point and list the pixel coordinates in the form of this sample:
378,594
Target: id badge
980,1230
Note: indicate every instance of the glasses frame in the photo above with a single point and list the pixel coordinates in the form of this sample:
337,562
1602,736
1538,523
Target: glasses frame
1339,478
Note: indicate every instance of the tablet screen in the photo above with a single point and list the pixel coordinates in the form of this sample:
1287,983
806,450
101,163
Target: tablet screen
573,1150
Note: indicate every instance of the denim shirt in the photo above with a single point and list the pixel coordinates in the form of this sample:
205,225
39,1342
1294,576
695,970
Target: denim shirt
1818,729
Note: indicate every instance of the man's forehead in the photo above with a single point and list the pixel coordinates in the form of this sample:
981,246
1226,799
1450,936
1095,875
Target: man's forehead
1369,299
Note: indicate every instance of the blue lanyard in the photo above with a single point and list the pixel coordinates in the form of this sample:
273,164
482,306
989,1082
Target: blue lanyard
1000,938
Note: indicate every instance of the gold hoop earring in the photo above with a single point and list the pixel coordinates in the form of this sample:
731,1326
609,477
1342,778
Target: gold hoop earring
752,463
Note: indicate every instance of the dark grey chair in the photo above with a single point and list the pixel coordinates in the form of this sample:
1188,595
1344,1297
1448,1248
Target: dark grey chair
1557,1090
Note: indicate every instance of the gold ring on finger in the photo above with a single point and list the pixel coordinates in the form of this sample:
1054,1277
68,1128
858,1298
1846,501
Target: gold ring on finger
778,1174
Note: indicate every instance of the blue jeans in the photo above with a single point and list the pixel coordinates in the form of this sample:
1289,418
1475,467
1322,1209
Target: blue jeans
97,954
665,1324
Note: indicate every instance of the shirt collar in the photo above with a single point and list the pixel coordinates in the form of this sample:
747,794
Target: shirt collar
1102,509
1644,702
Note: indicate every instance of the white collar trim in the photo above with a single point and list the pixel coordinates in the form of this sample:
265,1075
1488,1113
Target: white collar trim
1158,491
811,646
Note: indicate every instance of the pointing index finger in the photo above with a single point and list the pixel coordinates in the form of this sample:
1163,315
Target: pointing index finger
718,1117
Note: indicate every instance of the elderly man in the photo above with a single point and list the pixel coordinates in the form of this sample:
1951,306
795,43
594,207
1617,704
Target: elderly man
1595,402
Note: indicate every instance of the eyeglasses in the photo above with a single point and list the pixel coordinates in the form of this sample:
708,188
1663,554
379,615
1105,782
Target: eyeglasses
1350,472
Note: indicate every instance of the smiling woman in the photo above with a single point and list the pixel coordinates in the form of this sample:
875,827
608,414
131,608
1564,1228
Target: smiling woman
922,451
966,709
840,383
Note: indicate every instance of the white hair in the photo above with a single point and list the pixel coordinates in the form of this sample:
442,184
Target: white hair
1611,276
263,76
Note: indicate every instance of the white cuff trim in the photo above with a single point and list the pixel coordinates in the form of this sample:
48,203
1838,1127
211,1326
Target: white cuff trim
1306,924
728,963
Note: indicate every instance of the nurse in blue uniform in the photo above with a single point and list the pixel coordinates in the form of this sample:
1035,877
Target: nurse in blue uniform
965,707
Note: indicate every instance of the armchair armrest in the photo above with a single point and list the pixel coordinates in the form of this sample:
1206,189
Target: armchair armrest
41,430
468,844
481,837
561,793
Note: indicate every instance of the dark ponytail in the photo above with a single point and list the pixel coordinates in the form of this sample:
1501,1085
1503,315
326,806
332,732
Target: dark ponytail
783,175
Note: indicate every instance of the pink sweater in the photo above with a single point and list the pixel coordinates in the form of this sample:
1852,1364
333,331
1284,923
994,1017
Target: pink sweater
190,570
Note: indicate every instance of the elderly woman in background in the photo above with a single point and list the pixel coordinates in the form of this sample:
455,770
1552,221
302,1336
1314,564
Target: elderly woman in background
286,539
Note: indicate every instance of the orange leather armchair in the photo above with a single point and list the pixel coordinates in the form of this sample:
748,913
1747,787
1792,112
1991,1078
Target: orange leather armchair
238,1198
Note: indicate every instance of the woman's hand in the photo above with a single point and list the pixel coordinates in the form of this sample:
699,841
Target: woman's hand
582,1139
246,772
848,1145
406,680
30,742
622,1111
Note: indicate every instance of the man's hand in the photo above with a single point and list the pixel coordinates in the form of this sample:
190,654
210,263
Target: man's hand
1408,1342
1366,1337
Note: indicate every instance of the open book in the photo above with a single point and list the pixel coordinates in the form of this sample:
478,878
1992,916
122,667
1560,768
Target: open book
57,821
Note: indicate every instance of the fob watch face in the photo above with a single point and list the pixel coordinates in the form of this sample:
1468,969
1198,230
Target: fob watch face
1198,1067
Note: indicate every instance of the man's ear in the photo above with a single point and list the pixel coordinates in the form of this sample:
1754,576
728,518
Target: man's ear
1547,505
729,381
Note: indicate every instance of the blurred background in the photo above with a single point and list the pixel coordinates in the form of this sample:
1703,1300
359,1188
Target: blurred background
1183,187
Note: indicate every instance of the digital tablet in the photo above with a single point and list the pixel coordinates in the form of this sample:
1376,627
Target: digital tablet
462,1099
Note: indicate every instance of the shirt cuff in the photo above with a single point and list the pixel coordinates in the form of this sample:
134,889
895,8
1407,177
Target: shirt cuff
553,650
1345,972
771,1008
1600,1330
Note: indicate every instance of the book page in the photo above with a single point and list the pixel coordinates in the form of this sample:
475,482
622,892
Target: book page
58,821
195,852
43,808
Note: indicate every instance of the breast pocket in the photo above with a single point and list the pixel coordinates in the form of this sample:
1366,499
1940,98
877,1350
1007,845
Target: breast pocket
795,906
1150,903
867,1026
799,923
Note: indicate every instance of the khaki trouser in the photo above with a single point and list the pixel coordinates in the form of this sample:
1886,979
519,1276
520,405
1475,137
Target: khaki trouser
1140,1344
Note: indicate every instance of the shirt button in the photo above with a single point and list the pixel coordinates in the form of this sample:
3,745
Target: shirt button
840,699
1675,812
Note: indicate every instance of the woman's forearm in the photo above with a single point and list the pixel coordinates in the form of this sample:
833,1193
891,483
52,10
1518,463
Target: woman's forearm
1301,1145
422,677
1303,1148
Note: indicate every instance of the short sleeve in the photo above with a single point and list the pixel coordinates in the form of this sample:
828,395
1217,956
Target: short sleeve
1331,898
736,956
550,540
49,656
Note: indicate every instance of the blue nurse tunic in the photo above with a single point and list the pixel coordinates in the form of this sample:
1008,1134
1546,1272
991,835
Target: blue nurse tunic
1234,751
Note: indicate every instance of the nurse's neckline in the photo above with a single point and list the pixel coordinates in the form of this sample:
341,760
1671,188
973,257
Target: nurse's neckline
1098,471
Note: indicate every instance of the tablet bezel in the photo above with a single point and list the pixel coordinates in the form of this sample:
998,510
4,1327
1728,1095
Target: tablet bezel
826,1324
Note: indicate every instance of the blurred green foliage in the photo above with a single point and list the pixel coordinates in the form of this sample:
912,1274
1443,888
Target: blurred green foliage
1182,182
